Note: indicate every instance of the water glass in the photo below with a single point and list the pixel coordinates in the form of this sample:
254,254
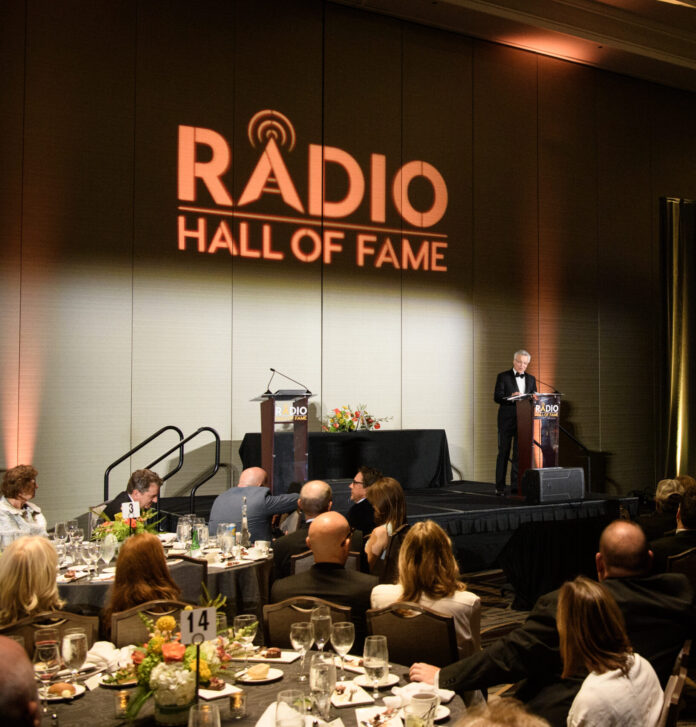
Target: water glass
290,708
46,664
203,533
71,526
321,623
90,554
376,661
76,535
342,638
322,681
61,531
245,627
205,714
183,529
302,638
74,649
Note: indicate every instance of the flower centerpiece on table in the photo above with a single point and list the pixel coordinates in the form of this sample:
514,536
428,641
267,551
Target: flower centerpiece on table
347,419
123,529
166,670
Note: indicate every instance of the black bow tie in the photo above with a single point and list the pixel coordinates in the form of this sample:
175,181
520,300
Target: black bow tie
519,376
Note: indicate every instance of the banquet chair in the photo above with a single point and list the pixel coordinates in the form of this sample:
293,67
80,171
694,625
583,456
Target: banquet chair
304,561
189,575
128,628
387,568
683,563
277,617
670,705
61,620
415,633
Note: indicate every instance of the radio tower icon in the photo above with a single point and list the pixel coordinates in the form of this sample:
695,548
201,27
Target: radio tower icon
269,124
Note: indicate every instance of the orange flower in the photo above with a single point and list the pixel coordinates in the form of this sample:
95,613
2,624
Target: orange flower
138,657
173,651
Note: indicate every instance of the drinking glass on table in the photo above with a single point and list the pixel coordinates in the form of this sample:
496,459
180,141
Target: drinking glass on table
74,650
183,529
290,708
302,638
321,623
90,554
60,532
245,626
322,681
46,665
70,527
342,638
107,548
204,714
376,661
76,535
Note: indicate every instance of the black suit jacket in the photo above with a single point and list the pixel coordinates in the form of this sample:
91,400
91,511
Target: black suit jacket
114,506
659,614
671,545
361,516
334,583
506,385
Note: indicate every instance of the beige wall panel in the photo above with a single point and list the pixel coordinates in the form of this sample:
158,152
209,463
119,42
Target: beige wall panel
505,265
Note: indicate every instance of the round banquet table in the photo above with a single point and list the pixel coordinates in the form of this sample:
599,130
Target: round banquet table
98,706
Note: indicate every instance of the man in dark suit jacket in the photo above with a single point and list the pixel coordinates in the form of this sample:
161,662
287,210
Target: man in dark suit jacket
316,497
513,382
143,487
361,515
329,540
658,610
685,536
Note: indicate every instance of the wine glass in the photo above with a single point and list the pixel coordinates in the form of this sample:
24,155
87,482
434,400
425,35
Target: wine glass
342,638
74,650
70,527
301,638
61,532
321,623
245,627
376,661
90,554
107,548
46,665
322,681
290,708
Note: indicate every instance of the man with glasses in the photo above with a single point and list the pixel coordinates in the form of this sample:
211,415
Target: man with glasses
361,516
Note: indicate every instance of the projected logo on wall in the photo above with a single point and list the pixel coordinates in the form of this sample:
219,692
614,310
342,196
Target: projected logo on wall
311,229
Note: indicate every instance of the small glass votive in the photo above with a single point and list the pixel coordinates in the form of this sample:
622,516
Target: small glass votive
238,704
121,703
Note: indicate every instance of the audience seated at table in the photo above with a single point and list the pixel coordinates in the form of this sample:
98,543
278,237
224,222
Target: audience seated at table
329,540
143,487
387,499
429,575
505,712
683,538
142,575
28,570
19,699
667,498
621,689
17,513
361,515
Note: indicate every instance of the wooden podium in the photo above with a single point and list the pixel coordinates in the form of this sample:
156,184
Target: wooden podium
538,418
294,404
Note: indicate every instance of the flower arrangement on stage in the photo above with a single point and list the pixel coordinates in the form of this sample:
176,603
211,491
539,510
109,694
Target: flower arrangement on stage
123,529
347,419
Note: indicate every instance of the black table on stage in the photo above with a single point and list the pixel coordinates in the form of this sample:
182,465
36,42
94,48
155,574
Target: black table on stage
99,704
417,458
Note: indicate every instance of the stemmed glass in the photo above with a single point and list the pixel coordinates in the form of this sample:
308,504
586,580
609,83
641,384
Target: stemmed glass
107,548
61,532
71,526
322,681
301,638
74,650
342,638
376,661
245,626
321,623
90,554
46,666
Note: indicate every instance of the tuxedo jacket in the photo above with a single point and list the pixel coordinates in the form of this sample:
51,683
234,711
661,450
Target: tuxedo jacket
506,385
114,506
671,545
659,614
361,516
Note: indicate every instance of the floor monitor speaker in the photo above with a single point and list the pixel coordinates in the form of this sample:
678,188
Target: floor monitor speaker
553,484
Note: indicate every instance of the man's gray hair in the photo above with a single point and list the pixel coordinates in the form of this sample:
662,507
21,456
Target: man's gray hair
315,497
522,352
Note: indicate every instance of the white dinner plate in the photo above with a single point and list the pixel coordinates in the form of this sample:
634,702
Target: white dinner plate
441,713
362,680
79,691
273,675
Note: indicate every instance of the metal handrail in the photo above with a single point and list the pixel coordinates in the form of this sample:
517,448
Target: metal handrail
140,446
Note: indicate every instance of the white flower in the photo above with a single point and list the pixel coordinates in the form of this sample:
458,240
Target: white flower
173,684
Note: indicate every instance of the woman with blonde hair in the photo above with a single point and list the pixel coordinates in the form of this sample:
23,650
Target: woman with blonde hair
389,504
429,575
622,688
142,575
28,570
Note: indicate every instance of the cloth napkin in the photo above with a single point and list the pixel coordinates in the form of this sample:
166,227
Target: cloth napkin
405,693
106,657
268,718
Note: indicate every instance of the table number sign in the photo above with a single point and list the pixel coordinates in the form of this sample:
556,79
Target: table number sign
130,510
198,625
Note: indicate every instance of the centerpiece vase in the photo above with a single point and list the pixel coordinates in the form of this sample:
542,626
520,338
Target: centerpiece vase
172,714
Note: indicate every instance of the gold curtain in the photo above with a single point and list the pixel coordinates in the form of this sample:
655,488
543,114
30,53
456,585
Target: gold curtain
678,254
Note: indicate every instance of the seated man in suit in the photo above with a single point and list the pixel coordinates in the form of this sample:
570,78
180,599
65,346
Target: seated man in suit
143,487
361,515
19,700
261,505
658,610
329,540
685,536
315,498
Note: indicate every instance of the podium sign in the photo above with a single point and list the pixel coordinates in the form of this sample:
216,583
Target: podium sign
538,418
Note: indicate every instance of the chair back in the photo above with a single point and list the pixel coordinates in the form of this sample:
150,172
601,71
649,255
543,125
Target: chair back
387,568
304,561
93,518
189,576
415,633
682,659
278,617
670,705
127,626
683,563
28,626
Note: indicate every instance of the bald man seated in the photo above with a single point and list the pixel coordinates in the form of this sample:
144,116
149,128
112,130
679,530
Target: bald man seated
316,497
19,700
329,540
261,505
658,610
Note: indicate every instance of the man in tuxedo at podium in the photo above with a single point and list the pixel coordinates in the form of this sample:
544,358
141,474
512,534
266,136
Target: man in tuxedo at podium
513,382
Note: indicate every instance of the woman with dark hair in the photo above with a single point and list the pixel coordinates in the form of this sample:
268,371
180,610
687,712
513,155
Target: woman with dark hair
387,499
621,689
142,575
429,575
17,513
